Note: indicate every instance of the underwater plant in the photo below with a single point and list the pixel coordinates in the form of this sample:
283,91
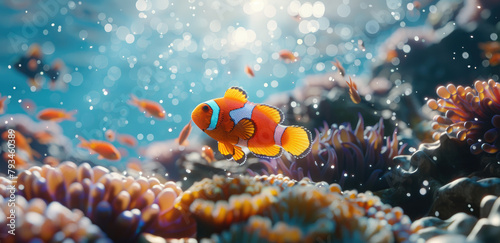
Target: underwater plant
36,221
352,158
469,114
121,206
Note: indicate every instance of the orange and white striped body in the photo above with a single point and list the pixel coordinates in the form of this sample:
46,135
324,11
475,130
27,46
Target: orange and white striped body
236,122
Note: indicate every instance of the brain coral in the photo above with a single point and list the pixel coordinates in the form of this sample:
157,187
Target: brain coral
123,207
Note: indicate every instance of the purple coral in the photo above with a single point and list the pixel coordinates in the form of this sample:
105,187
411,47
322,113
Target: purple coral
354,159
123,207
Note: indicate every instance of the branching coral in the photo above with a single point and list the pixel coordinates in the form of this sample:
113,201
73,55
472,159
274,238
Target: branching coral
354,159
470,114
35,221
122,206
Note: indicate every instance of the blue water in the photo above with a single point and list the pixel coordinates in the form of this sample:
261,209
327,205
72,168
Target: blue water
181,53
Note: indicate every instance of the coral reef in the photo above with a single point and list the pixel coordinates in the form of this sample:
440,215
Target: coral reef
308,213
122,206
276,208
352,158
35,221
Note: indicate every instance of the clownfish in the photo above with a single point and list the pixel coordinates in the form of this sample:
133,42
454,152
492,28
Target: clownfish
235,122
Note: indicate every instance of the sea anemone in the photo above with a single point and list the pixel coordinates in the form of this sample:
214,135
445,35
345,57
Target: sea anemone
123,207
35,221
354,159
470,114
321,214
221,201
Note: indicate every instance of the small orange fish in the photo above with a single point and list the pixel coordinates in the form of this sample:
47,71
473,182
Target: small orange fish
417,4
43,137
361,45
208,154
22,143
391,54
126,139
52,161
288,56
18,161
110,135
182,139
490,47
234,122
339,67
103,148
2,104
56,115
249,71
150,107
29,106
353,92
495,59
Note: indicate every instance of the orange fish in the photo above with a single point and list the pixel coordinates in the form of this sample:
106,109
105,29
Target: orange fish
29,106
288,56
391,54
353,91
207,153
495,59
249,71
43,137
339,66
234,122
22,143
182,139
150,107
2,104
110,135
126,139
103,148
18,161
490,47
56,115
417,4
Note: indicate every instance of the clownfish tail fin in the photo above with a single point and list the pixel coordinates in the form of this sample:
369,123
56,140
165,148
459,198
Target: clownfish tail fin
297,141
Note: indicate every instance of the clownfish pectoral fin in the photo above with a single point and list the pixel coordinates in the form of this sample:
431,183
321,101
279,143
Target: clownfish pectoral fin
230,151
239,156
226,149
237,94
245,129
273,151
297,141
274,113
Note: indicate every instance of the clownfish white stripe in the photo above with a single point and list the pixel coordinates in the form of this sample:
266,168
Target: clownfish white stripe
244,112
215,114
278,133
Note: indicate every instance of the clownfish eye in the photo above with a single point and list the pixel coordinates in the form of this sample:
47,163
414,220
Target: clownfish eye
205,108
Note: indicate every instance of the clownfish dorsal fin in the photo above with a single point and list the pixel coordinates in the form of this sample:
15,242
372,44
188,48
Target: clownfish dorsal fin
272,112
236,93
245,129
